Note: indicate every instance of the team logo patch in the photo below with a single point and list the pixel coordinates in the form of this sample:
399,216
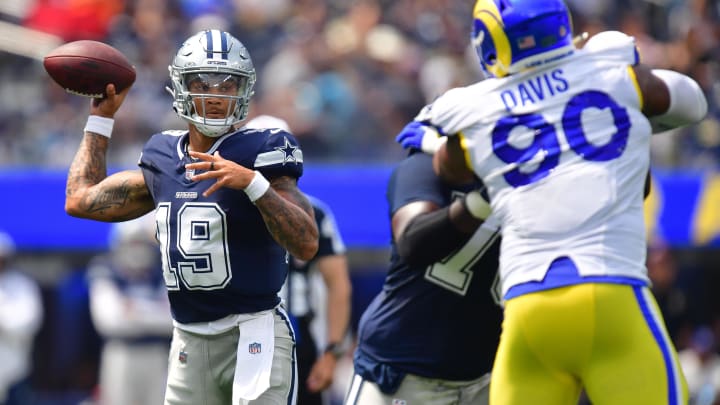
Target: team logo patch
288,151
182,357
254,348
399,401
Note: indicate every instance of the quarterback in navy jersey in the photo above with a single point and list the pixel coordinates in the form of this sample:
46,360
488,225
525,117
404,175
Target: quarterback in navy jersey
203,289
430,335
228,214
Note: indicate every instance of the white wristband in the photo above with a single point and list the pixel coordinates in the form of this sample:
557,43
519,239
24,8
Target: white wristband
257,187
476,205
99,125
432,141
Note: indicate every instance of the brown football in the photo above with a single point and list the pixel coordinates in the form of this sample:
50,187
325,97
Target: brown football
86,67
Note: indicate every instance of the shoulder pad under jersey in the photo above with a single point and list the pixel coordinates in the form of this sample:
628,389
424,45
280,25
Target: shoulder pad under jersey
614,46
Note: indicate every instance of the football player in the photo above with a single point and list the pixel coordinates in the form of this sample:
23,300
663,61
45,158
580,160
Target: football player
560,137
228,211
430,335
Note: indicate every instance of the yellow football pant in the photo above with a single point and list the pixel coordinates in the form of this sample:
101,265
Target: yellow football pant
609,339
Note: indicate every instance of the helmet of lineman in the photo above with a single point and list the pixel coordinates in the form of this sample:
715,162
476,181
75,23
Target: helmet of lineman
513,35
217,59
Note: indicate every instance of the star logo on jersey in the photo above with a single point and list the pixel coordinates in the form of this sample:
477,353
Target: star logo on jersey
288,151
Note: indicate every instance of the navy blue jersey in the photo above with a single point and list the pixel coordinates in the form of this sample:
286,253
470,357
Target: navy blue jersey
218,256
437,322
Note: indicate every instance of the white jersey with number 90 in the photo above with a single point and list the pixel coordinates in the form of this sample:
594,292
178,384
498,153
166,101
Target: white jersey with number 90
563,151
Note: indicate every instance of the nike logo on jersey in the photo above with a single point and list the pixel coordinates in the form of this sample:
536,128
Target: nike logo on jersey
536,89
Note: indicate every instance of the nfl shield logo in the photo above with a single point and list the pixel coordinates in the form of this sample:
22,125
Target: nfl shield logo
254,348
396,401
182,357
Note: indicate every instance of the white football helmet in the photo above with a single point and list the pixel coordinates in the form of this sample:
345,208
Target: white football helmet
211,52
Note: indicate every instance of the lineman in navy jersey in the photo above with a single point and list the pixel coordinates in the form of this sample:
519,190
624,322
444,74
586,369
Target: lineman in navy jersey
430,336
228,214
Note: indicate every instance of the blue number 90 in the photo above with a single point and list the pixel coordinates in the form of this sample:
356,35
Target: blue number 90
545,146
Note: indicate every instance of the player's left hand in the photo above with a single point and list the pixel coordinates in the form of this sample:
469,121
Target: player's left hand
420,136
322,373
226,172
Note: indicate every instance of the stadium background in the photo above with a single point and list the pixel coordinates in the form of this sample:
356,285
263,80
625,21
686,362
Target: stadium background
346,75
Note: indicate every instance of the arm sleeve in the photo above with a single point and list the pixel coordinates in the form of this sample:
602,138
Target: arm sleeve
687,101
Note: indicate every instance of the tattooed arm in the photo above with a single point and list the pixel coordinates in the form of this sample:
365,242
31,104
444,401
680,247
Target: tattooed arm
289,217
89,193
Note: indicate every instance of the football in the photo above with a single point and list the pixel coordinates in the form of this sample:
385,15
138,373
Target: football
86,67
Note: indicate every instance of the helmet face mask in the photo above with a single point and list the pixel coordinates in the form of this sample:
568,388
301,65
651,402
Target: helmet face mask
212,65
513,35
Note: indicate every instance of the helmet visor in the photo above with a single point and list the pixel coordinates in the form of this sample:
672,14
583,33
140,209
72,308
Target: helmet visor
216,83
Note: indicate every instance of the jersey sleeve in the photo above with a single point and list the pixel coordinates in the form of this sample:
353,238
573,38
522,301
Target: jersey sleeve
280,155
149,160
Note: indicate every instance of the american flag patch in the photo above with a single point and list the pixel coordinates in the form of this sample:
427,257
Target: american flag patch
526,42
254,348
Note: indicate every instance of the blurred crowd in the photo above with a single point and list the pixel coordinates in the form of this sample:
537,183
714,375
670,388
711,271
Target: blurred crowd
346,75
